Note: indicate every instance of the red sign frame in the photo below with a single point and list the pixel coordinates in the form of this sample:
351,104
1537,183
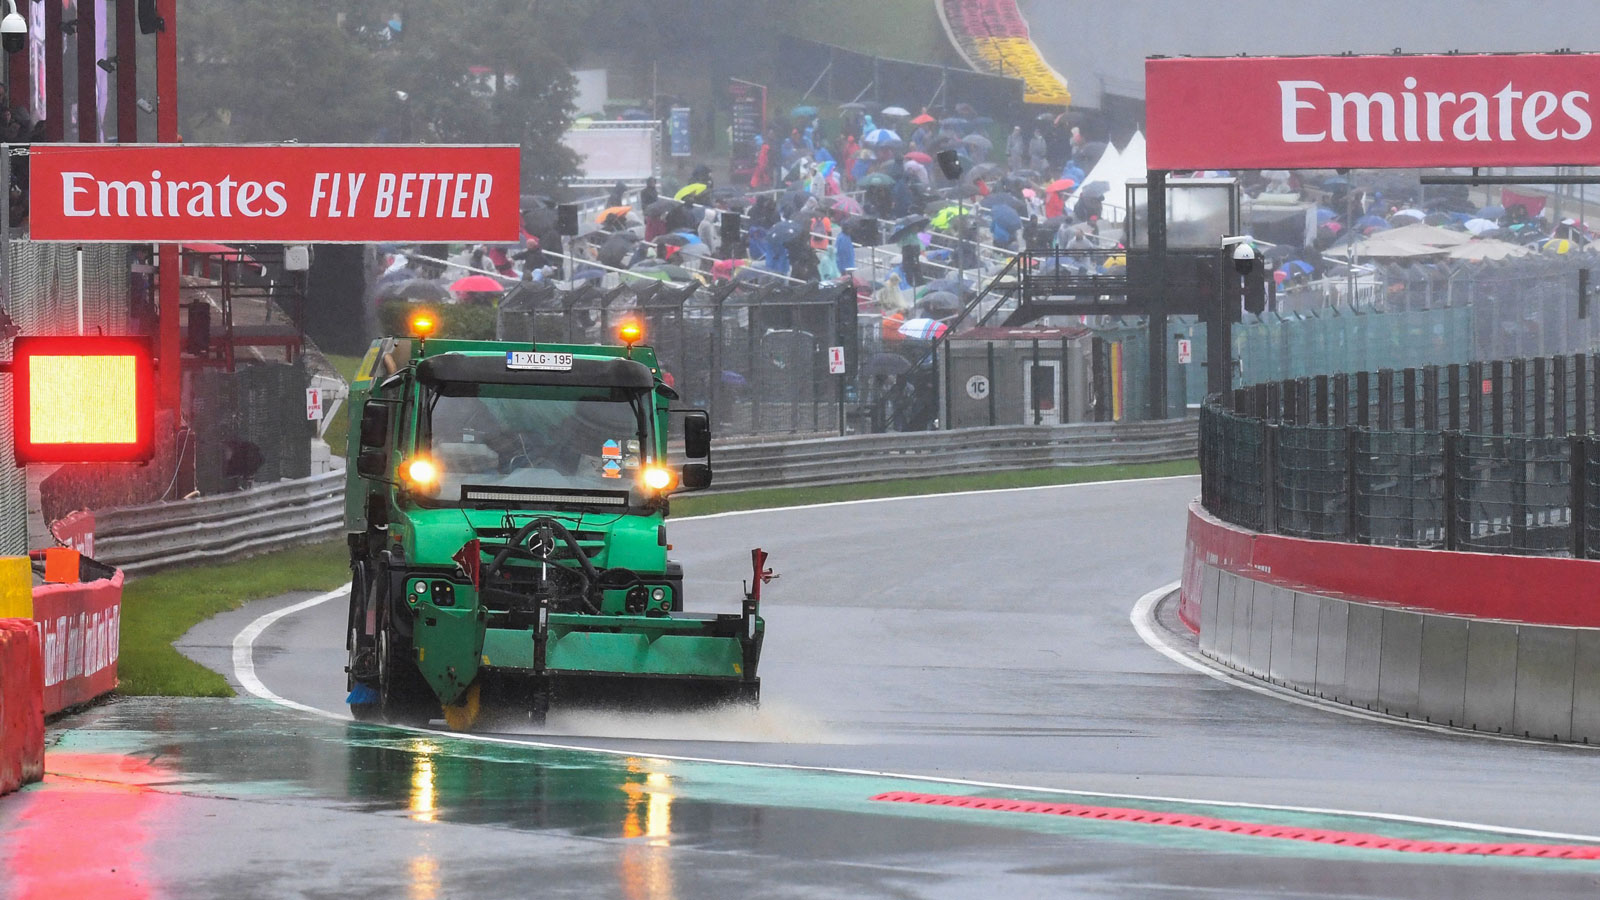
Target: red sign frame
1397,111
25,349
274,193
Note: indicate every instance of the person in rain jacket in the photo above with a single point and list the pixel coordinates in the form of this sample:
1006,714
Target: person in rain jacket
844,252
1038,152
1016,148
1055,205
649,194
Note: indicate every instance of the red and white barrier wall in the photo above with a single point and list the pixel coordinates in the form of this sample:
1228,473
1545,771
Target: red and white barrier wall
58,648
1496,643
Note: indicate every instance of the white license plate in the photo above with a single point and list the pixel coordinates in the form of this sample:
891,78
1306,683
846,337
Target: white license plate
539,362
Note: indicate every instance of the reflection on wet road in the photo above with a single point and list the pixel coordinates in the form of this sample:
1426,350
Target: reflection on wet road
165,798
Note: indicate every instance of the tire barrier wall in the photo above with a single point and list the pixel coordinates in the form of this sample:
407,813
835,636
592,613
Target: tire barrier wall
80,630
1493,643
21,705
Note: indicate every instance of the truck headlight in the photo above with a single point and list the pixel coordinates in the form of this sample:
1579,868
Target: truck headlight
422,476
657,478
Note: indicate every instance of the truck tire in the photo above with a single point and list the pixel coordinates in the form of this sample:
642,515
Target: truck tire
404,698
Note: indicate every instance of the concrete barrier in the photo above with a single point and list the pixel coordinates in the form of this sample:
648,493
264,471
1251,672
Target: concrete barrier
21,705
1506,644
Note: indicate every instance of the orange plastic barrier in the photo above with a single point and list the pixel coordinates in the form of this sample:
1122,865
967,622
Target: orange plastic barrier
21,705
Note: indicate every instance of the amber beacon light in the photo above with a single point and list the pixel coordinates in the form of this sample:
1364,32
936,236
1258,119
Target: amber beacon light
82,399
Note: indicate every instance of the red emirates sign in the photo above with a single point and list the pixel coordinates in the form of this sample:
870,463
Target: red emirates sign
273,194
1373,111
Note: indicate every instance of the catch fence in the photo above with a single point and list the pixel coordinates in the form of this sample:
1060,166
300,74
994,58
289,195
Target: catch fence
1497,457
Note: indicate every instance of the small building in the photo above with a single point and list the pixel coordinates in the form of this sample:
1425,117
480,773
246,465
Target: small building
1018,376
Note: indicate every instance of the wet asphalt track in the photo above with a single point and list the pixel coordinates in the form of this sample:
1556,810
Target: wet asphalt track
974,638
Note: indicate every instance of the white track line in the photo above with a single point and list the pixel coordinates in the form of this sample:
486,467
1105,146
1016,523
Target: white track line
244,669
1143,618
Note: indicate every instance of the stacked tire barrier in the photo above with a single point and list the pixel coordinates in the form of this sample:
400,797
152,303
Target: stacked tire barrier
21,705
992,37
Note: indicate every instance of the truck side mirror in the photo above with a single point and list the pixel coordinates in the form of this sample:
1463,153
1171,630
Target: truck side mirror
372,463
374,426
696,476
697,435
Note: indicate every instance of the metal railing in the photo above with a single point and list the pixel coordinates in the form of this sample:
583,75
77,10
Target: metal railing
1496,457
140,539
926,454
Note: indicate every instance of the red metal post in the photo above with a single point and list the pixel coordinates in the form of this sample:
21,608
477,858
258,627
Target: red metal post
171,373
55,96
127,72
88,102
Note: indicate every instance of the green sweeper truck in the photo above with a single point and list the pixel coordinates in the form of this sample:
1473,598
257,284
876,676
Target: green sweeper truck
506,509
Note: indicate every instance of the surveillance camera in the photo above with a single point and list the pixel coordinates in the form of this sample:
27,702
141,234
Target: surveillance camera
14,32
1244,258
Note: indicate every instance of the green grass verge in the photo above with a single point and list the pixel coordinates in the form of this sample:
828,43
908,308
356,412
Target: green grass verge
157,610
897,29
906,487
339,430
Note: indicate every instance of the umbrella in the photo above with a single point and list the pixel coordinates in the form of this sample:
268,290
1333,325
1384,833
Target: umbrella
698,248
1095,189
985,170
661,207
802,112
896,111
689,190
785,232
1296,267
846,204
875,179
1006,217
616,249
907,227
879,137
608,212
1371,222
1491,212
977,141
1046,117
854,105
1060,184
954,123
417,290
923,119
475,284
887,365
923,329
919,156
940,300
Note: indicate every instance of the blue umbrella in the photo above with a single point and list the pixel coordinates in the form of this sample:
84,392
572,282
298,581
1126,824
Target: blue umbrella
1006,217
1491,212
1325,215
803,112
879,137
1372,222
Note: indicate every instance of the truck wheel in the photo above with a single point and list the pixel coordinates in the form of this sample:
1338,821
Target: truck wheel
403,696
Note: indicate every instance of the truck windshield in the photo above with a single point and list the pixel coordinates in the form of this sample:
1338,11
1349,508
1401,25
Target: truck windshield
571,438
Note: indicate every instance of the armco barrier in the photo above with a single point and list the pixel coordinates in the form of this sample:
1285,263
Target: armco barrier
877,457
1488,642
80,630
21,707
143,538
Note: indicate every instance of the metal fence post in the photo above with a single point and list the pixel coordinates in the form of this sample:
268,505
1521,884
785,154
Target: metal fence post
1321,387
1580,394
1341,399
993,420
1540,396
1497,420
1558,395
1363,399
1451,445
1430,398
1352,497
1578,506
1519,396
1454,374
1269,478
